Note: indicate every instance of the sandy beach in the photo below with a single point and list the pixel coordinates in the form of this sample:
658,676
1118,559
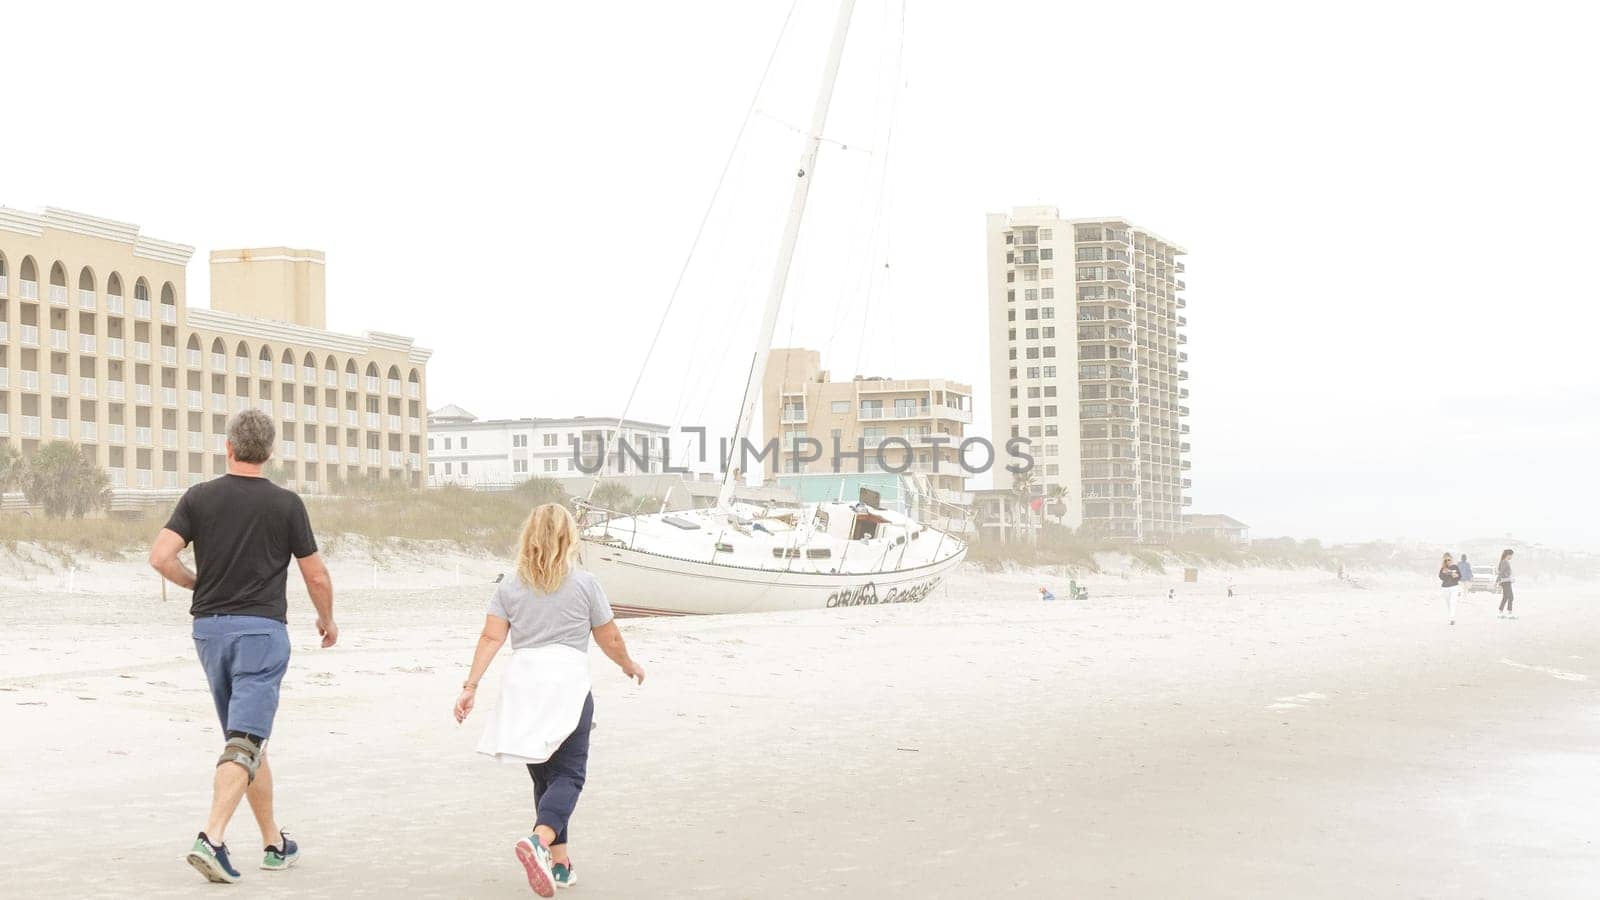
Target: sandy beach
1305,738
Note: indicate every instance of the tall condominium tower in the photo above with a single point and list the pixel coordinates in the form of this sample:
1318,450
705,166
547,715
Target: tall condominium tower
1085,337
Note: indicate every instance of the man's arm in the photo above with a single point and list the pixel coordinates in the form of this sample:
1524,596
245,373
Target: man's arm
164,559
319,584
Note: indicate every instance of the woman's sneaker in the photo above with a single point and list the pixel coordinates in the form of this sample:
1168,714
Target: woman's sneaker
211,860
285,854
562,874
535,859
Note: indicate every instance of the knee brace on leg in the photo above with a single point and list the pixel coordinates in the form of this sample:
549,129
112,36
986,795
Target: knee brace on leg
244,749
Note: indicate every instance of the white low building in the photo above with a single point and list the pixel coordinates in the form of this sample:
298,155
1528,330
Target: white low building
494,453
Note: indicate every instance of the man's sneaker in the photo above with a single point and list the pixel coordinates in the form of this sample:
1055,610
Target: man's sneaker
285,854
535,858
563,875
211,860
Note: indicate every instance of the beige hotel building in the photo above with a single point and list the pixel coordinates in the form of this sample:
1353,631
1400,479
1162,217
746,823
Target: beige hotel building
799,400
1086,355
99,346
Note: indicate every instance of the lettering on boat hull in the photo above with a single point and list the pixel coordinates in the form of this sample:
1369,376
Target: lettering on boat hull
867,594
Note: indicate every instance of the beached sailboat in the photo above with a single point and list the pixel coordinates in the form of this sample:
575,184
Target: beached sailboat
739,557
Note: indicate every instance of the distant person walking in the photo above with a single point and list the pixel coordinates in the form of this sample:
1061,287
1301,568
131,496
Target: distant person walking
1503,577
1044,594
244,529
549,610
1450,584
1466,571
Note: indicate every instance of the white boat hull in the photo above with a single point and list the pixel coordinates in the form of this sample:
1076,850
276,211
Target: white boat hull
643,584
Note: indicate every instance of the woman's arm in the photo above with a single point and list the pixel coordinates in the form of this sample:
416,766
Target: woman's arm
493,637
609,637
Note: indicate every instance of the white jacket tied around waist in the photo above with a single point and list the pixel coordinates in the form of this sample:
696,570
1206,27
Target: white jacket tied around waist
541,699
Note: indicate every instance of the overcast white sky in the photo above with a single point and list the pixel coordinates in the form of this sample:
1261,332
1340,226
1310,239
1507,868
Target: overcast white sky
1390,208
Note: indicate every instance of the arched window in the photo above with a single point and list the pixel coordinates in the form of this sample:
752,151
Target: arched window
3,270
372,378
194,342
58,284
286,366
241,359
264,362
191,352
114,293
28,274
414,385
141,290
219,356
169,304
86,279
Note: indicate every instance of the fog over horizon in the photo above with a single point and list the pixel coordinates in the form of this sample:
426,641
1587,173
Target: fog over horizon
1387,209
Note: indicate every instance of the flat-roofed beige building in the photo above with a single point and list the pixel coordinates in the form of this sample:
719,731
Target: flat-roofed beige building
1087,362
799,400
99,346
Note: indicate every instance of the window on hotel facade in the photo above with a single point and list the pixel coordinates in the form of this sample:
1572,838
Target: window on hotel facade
1013,412
1049,332
1010,296
447,469
1030,295
550,440
1030,274
1047,312
1046,234
430,443
1013,371
1050,431
1011,277
1013,352
1030,314
1048,293
1049,352
463,467
1011,315
463,446
1013,392
1033,371
1033,334
447,447
1049,371
1047,253
1049,410
1049,390
1033,393
1033,353
1033,431
1033,412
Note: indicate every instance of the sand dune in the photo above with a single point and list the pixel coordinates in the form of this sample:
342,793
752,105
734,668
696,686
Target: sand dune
1304,739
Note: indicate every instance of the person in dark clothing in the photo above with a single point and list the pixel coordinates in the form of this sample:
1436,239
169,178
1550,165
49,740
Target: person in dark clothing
1466,571
1450,585
244,530
1502,577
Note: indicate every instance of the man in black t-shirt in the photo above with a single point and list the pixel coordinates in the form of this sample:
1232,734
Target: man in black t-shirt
244,530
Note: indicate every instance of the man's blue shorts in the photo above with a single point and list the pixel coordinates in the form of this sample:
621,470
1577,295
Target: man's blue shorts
245,658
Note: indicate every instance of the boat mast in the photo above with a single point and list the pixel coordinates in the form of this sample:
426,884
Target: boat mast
791,233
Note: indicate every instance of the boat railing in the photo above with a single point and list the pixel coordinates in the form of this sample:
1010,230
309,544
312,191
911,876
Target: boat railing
591,516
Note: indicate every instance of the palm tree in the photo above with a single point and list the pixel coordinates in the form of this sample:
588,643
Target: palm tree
612,495
11,468
1022,489
1058,501
64,481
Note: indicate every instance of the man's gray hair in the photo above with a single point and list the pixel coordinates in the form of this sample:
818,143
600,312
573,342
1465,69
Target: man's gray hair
251,433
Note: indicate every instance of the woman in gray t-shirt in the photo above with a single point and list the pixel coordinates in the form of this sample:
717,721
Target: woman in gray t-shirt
549,604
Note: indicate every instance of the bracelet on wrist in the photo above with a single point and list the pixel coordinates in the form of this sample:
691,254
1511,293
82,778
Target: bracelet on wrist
469,685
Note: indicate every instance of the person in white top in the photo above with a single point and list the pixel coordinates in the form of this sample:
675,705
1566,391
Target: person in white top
548,610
